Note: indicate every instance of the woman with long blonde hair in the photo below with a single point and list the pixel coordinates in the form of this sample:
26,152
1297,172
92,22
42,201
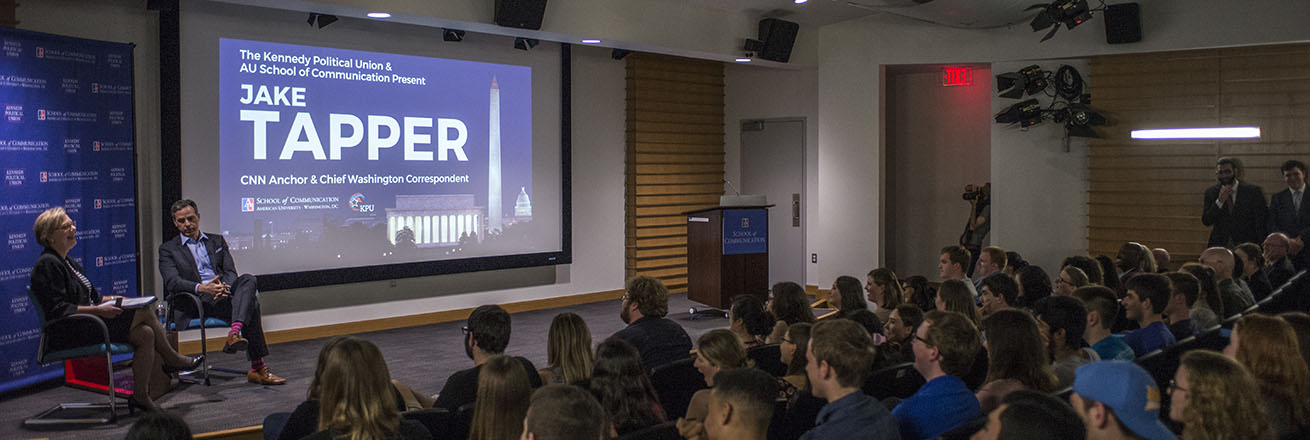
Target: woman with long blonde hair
956,296
356,398
1268,347
569,358
502,402
1215,398
1016,358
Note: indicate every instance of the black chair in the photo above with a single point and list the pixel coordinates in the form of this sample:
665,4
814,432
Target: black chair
663,431
790,423
200,322
273,424
768,358
675,383
1294,296
98,344
439,422
899,381
459,430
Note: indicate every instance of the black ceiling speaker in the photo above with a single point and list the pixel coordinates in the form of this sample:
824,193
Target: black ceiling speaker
1123,23
778,37
522,14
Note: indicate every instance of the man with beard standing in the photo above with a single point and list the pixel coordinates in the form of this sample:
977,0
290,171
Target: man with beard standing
1235,211
660,340
486,334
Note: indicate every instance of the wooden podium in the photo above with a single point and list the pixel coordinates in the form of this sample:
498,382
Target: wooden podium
727,254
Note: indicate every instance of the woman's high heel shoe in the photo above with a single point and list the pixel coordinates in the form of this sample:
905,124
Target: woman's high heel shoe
194,364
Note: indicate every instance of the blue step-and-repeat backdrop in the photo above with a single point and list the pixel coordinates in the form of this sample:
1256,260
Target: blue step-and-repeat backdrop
66,140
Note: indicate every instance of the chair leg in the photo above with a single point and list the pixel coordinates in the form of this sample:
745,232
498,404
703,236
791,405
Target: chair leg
204,349
109,367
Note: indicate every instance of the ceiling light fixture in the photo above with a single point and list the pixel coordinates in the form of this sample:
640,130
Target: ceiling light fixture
590,41
1198,133
800,1
742,59
379,15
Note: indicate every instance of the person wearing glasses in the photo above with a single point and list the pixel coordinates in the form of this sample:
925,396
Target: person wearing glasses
62,288
1235,211
486,334
946,345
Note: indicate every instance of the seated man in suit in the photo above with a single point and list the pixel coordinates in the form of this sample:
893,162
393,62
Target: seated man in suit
200,263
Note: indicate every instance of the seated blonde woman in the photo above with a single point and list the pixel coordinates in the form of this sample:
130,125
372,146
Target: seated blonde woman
569,358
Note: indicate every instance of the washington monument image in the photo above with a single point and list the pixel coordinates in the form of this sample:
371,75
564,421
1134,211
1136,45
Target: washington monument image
494,206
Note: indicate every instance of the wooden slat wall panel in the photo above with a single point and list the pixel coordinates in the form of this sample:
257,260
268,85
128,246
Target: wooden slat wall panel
1151,191
675,136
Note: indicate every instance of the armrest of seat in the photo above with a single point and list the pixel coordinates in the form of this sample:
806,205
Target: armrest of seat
194,298
78,323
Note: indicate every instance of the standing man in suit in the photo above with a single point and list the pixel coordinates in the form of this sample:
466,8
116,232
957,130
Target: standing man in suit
200,263
1236,211
1287,213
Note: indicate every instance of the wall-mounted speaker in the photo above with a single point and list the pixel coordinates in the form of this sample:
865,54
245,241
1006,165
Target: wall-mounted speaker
778,37
1123,23
522,14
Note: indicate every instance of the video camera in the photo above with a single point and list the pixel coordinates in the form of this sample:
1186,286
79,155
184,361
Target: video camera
974,192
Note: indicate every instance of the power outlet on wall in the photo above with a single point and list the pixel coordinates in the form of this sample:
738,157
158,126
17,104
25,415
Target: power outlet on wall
814,258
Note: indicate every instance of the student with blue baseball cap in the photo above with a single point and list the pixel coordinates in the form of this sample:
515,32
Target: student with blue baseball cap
1118,400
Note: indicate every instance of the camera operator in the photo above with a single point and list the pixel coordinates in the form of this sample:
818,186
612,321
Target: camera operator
980,219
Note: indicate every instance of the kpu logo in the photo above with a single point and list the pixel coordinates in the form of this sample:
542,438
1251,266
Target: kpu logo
247,204
357,203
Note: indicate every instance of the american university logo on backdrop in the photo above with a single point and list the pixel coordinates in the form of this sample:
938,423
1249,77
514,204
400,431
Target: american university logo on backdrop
745,222
248,204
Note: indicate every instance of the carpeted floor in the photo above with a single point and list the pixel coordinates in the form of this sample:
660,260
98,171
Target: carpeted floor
421,357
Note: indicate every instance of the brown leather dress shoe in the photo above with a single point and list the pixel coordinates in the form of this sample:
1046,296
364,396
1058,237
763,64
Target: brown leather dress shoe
265,377
235,343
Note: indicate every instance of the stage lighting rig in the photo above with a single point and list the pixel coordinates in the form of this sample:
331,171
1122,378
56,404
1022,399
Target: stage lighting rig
1071,13
1030,80
522,43
1079,119
1026,114
452,35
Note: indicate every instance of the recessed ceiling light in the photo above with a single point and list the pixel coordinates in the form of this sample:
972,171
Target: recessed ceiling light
379,15
1198,133
742,60
800,1
590,41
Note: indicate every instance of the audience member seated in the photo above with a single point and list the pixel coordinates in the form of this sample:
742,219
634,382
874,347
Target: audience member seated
1253,259
1086,264
792,353
1063,320
1028,414
1232,291
1300,322
1214,397
846,295
1101,306
1119,400
61,288
503,393
884,291
1263,344
303,421
564,412
839,357
1208,309
356,397
918,292
991,259
998,292
1133,259
953,264
899,330
1070,279
623,389
1184,290
1148,295
1016,355
789,305
1013,262
568,351
749,321
486,334
1110,274
159,425
716,350
660,340
1278,263
1162,259
740,407
1034,285
955,296
946,345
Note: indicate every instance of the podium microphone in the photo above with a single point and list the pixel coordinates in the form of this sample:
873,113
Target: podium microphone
730,185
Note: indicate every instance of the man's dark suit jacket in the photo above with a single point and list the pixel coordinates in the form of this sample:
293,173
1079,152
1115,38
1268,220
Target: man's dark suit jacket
462,387
179,268
1283,217
1278,272
1246,223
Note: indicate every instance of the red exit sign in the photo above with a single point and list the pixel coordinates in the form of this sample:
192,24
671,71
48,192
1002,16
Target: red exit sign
957,76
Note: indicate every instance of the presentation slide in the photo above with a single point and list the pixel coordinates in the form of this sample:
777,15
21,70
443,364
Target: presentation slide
339,158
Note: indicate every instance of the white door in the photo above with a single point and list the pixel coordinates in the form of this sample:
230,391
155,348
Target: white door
773,164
